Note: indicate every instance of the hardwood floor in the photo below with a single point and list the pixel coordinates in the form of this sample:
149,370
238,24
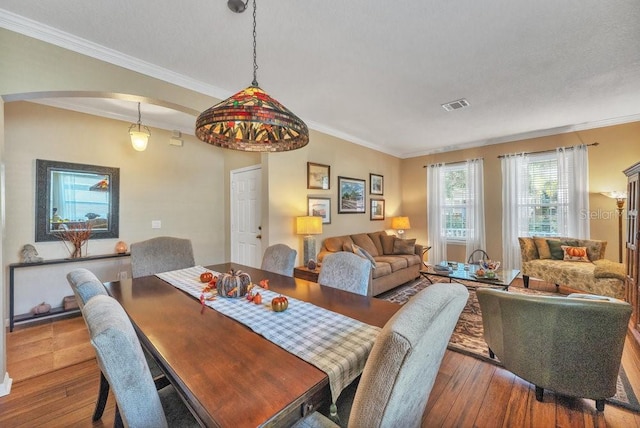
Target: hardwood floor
56,384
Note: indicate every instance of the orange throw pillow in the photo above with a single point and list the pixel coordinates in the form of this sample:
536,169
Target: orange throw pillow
575,254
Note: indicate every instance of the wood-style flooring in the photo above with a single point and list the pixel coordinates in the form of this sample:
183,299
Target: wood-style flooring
56,380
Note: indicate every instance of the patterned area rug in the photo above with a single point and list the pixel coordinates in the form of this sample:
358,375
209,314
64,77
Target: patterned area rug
467,337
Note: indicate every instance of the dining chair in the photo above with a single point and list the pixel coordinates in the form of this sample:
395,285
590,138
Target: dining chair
279,258
120,357
403,364
571,345
85,286
346,271
161,254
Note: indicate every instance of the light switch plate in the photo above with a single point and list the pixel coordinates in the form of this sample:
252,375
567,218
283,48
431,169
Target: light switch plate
156,224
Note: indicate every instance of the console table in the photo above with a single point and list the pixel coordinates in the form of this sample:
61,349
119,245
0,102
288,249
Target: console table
55,312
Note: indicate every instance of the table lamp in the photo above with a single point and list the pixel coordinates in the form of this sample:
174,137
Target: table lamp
400,224
309,226
620,198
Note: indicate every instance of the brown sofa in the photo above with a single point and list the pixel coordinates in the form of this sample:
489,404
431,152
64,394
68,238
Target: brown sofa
396,260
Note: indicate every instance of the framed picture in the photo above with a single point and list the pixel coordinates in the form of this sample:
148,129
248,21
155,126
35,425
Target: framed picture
318,176
377,209
376,184
320,207
351,196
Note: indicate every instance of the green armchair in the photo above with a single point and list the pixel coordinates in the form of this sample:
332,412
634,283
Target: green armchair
571,345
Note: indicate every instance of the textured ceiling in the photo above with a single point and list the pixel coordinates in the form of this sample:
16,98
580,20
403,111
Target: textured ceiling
375,72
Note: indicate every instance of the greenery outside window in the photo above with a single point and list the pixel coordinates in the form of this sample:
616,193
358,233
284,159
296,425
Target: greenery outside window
454,206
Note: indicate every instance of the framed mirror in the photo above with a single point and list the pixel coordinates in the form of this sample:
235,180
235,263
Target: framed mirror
70,195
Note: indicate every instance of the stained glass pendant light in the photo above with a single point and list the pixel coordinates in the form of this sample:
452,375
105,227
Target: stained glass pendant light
251,120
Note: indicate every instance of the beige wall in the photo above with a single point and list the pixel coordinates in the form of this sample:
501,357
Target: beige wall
183,187
287,188
619,147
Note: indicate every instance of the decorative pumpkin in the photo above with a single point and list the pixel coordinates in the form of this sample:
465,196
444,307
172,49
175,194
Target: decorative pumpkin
279,304
206,276
235,283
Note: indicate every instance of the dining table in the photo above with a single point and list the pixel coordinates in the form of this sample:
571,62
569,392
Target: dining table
227,374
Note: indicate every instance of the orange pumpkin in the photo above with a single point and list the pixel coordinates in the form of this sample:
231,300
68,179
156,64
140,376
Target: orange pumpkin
576,252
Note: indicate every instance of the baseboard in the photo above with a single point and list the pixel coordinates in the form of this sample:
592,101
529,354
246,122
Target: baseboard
5,387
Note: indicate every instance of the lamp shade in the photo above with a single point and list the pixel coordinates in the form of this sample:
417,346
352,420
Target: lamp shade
309,225
400,223
615,195
139,140
252,121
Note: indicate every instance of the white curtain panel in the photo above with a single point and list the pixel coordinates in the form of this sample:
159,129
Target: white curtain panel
514,186
573,189
475,207
435,196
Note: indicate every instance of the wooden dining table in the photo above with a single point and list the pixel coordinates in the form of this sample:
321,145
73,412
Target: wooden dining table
228,375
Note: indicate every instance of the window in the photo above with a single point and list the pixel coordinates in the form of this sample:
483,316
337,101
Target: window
542,202
454,206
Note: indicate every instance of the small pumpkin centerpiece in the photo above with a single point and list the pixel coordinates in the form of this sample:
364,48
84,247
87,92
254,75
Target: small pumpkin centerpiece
234,283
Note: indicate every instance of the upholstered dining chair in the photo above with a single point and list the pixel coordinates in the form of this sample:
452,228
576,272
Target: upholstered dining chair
403,364
571,345
85,286
161,254
279,258
120,358
346,271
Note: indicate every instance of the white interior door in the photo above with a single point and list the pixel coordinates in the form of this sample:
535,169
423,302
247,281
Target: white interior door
246,215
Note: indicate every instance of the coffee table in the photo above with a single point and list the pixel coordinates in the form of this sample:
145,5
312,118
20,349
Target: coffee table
503,278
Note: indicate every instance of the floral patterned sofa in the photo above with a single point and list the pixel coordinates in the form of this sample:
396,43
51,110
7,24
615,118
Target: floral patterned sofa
576,263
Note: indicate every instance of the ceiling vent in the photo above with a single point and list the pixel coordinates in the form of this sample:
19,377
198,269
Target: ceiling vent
456,105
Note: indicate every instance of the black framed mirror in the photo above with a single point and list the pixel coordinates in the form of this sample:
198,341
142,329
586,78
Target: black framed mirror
70,195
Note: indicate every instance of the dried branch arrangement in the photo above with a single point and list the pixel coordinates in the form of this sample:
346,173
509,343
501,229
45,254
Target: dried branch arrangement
78,235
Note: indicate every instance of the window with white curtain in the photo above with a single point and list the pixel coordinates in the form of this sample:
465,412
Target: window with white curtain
543,194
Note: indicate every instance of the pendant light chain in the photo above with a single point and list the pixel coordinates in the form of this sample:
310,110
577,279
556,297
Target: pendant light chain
255,56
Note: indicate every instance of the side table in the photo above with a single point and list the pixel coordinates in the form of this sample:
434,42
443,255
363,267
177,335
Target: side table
303,272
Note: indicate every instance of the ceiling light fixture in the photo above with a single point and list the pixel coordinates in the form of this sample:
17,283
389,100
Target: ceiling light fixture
251,120
139,134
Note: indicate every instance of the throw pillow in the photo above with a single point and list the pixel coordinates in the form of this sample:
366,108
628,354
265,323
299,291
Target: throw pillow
387,243
544,252
555,249
575,254
404,246
364,254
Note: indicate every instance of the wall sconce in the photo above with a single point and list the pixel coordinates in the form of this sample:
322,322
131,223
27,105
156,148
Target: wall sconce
400,224
620,198
139,134
309,226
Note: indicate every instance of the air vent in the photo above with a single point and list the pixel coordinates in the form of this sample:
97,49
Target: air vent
455,105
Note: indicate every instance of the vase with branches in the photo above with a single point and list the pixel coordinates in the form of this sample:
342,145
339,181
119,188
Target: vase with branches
78,236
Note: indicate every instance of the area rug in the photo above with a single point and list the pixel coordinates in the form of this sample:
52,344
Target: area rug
467,337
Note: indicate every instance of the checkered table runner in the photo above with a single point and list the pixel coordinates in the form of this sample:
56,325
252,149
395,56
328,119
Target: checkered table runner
335,343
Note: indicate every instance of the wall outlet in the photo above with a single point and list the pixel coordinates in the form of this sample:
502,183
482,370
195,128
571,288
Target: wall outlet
156,224
122,275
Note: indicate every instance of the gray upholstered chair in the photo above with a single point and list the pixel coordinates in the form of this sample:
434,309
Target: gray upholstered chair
121,359
85,286
571,345
346,271
279,258
161,254
397,379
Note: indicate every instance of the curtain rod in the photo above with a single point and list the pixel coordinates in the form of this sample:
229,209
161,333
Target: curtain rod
451,163
549,151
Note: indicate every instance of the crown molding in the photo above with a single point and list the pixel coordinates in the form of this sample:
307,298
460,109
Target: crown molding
45,33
